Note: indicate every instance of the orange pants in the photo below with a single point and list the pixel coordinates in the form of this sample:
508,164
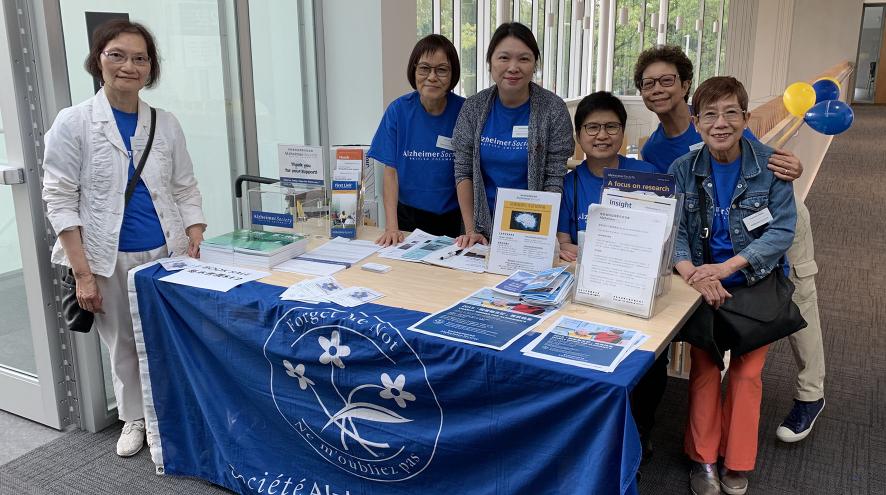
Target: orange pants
718,428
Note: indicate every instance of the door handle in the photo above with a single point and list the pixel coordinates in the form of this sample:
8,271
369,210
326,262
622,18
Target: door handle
11,175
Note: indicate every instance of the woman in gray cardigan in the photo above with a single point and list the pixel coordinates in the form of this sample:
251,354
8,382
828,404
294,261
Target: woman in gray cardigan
515,134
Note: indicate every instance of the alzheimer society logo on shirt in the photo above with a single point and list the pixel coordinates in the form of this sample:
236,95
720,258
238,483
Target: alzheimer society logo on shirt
505,144
428,155
354,392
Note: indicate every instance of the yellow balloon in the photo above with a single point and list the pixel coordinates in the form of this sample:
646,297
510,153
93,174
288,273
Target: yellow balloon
831,79
799,98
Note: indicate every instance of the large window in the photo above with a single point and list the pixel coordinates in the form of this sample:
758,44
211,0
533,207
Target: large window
568,32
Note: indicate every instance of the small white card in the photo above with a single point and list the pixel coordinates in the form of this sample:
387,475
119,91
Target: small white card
138,143
758,219
444,142
520,131
376,267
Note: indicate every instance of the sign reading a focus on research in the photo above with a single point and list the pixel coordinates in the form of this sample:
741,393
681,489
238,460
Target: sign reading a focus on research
300,164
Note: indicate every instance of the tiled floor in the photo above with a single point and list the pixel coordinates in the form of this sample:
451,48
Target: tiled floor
19,435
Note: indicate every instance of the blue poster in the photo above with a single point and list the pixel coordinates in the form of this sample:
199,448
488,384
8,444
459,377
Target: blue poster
264,396
485,318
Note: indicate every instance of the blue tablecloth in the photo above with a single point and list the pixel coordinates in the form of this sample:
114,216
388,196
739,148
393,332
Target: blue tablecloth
261,395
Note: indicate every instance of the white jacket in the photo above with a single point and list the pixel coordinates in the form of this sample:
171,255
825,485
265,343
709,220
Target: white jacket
85,172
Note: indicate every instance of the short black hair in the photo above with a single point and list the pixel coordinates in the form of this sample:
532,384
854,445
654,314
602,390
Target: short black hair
601,100
669,54
719,88
430,44
108,31
517,30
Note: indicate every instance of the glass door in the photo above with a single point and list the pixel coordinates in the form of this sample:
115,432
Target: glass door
32,358
870,45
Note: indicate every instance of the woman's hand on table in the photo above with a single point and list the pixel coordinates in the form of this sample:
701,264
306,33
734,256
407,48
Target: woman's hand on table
390,237
195,237
88,295
468,240
568,251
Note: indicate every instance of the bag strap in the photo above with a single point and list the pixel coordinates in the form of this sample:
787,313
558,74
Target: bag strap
705,233
130,188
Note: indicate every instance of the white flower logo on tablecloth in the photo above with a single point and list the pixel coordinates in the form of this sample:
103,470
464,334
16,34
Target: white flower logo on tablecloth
333,350
390,387
298,372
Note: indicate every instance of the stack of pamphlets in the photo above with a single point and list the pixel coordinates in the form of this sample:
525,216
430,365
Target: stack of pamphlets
585,344
334,256
548,287
328,289
252,248
421,247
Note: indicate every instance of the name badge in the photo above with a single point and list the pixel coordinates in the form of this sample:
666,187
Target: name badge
696,146
520,131
138,142
758,219
444,142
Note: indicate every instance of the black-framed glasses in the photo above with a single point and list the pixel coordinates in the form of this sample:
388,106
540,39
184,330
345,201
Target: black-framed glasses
120,58
425,70
665,81
732,116
593,128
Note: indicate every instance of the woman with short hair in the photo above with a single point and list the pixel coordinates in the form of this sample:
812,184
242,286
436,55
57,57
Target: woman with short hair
735,184
90,157
514,134
413,141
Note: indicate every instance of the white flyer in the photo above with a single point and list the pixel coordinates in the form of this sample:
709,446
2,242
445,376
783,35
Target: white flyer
178,263
415,238
213,277
354,296
300,164
472,259
620,259
524,233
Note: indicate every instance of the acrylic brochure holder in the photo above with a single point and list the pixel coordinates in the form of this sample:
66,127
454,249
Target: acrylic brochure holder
300,209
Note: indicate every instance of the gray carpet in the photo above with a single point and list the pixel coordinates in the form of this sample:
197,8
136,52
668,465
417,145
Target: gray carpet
844,455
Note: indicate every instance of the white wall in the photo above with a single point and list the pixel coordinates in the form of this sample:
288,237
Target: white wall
825,33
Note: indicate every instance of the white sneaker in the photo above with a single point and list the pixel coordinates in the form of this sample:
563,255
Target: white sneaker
132,438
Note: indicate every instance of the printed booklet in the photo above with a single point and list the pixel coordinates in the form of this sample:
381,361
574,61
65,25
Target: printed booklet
585,344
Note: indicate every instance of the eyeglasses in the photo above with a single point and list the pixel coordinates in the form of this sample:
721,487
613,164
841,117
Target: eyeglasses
593,128
120,58
665,81
424,70
731,116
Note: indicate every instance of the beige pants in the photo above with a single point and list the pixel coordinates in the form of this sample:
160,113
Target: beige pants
114,327
806,344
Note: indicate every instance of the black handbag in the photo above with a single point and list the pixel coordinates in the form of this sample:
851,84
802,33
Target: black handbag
76,318
754,316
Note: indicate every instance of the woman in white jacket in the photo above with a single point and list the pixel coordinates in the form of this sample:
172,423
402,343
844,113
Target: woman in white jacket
91,153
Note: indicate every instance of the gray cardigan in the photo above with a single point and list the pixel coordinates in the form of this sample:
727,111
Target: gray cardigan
550,144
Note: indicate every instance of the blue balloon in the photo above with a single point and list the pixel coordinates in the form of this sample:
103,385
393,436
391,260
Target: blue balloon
826,90
830,117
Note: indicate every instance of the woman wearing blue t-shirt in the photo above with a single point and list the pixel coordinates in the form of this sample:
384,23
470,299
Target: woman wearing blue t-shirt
90,157
414,139
600,120
515,134
750,217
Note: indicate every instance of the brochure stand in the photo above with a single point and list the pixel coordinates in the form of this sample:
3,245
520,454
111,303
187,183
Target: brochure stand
301,209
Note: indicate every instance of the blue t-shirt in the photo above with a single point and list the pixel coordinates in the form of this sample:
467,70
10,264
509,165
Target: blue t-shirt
504,158
661,150
590,189
141,229
725,178
407,139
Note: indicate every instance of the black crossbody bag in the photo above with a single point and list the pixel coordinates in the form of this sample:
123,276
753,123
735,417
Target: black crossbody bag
754,316
76,318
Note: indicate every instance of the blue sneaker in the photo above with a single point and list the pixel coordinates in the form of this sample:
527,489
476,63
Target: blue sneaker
799,422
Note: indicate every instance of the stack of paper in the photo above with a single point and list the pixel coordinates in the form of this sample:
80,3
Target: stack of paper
328,289
548,287
585,344
421,247
252,248
332,257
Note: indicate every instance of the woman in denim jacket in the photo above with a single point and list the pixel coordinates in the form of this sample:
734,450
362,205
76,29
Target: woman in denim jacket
751,217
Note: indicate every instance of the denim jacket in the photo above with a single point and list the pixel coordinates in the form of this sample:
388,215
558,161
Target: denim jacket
757,188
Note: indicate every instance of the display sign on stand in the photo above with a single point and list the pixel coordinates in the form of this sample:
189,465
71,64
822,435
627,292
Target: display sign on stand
524,235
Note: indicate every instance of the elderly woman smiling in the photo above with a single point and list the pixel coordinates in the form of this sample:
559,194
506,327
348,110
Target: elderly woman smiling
736,184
